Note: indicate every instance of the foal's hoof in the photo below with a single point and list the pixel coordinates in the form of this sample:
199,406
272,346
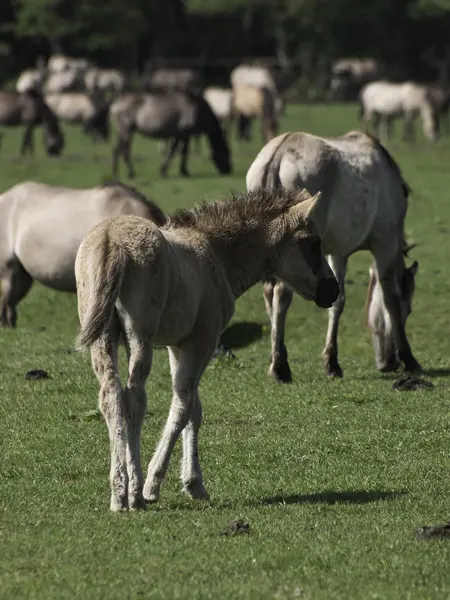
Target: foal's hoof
196,490
137,503
118,504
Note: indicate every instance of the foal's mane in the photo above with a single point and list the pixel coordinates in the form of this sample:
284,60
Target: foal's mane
258,207
157,215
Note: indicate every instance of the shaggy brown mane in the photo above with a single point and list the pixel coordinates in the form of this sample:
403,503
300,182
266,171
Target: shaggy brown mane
157,215
257,206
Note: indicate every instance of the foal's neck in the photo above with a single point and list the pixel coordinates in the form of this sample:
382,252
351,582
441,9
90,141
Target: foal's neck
244,256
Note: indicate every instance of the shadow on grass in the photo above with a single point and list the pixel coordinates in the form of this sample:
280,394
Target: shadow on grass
239,335
437,372
333,497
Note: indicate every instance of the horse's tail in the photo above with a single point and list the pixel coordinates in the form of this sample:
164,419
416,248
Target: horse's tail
100,267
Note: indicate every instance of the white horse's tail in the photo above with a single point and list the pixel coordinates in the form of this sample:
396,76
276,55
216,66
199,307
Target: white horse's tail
102,269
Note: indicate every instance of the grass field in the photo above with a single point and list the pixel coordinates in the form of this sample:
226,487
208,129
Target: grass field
332,476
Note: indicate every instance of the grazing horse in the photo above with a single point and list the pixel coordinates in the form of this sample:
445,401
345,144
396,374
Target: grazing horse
364,208
175,116
220,101
77,107
249,101
30,109
382,102
41,227
348,75
176,286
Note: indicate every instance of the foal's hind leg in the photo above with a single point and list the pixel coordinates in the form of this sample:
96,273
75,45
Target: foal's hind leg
139,350
278,298
186,366
15,284
104,362
338,265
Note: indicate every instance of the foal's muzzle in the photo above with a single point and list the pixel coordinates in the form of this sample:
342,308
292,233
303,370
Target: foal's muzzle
327,292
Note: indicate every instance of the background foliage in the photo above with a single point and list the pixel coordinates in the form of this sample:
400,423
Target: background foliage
411,35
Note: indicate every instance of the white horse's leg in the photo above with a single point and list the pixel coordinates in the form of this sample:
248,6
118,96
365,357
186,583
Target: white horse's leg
15,284
140,353
191,473
409,127
278,298
104,362
391,295
338,265
186,367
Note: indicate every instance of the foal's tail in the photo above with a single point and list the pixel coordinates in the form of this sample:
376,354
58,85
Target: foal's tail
101,269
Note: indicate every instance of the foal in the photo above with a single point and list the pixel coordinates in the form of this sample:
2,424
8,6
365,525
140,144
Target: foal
177,286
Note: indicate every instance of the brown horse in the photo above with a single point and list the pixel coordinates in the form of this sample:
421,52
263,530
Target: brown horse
29,109
175,116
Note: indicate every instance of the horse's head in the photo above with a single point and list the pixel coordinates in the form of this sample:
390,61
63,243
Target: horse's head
378,319
300,260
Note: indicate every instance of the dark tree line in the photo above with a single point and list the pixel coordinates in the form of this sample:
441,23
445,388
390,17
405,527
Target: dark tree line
413,35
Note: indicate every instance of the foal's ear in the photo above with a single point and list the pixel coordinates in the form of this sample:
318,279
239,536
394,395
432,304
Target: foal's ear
414,268
306,207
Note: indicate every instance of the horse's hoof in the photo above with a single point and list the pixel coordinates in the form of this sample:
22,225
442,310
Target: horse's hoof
196,490
118,504
281,373
334,371
389,367
413,366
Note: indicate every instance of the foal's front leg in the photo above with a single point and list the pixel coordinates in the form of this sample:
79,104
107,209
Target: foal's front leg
186,366
278,298
191,473
338,265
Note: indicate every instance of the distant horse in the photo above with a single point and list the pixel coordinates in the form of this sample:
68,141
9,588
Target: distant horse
173,80
249,101
365,200
220,101
77,107
349,75
439,96
382,102
30,109
174,116
31,79
104,81
177,286
41,227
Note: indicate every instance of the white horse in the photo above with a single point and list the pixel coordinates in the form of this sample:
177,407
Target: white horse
365,204
104,80
382,102
41,227
31,79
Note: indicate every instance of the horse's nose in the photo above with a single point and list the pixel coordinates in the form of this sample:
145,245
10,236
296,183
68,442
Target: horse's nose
327,292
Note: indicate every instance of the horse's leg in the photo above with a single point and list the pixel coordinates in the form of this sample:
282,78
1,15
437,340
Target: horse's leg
116,154
376,119
104,362
186,367
408,135
338,265
392,300
172,148
127,157
27,140
278,298
184,157
15,284
389,127
140,351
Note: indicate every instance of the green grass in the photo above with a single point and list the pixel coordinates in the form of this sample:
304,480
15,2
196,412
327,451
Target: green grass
332,476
